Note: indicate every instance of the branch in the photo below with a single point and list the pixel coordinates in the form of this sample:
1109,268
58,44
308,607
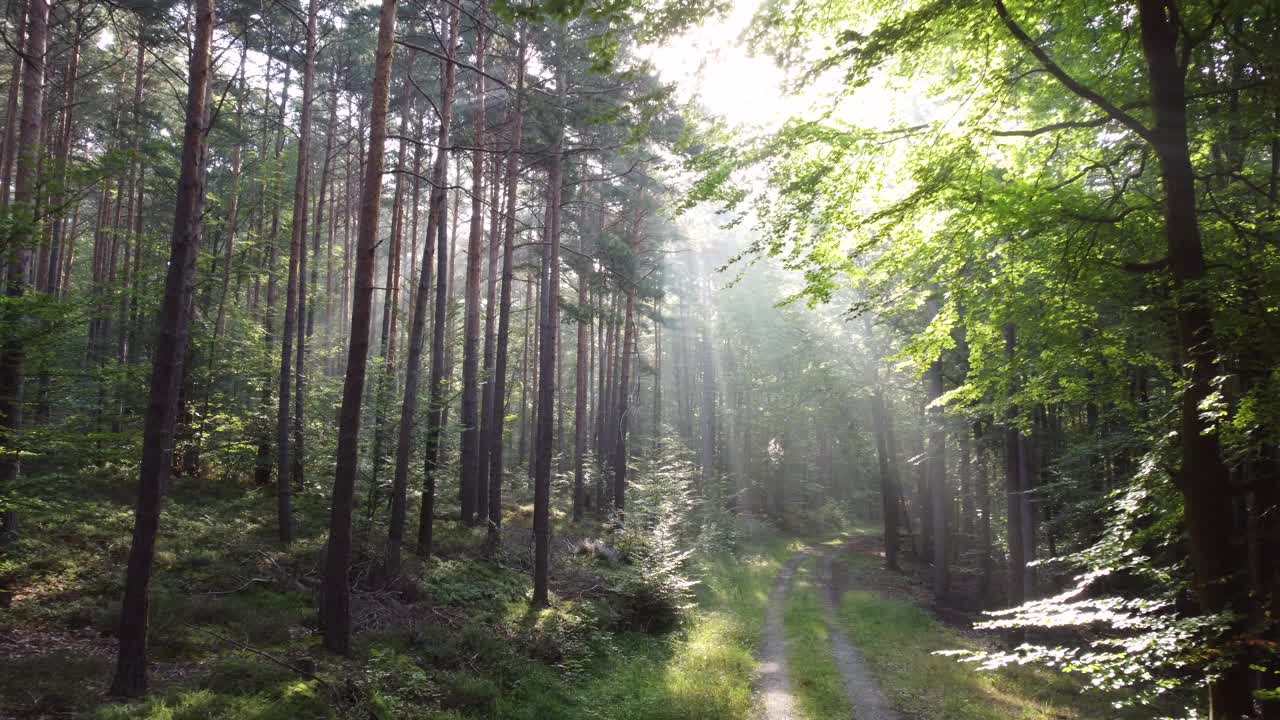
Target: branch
1071,83
304,673
459,63
1146,267
1054,127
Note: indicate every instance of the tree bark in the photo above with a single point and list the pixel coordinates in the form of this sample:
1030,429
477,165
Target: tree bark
581,389
628,343
335,607
438,211
937,469
18,256
1203,478
262,471
1020,589
233,205
391,296
9,153
884,461
469,484
504,311
293,291
550,323
130,678
50,275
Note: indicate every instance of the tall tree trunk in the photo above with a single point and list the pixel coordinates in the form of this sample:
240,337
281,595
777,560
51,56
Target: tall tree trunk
130,678
536,357
1020,589
1203,478
9,153
624,384
18,258
437,221
523,445
490,321
550,323
707,452
413,360
581,389
262,471
516,123
982,490
66,137
306,308
884,461
607,381
335,606
391,295
470,411
937,470
292,312
233,204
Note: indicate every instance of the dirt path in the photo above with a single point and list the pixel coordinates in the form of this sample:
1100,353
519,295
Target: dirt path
864,694
773,683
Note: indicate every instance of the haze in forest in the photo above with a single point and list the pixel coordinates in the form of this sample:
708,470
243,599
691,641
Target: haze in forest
773,360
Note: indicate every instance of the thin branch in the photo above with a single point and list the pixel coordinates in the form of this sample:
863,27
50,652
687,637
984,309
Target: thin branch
1071,83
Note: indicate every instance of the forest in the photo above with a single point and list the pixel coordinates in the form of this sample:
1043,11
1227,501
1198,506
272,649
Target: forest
640,359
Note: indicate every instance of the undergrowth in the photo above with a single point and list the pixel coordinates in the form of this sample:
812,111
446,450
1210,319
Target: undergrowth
640,627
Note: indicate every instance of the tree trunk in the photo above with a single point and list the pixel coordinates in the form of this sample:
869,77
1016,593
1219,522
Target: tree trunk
469,484
335,606
292,306
490,320
13,353
391,298
9,153
1203,478
581,385
438,211
937,470
885,462
233,206
1020,589
66,136
262,472
130,678
628,342
523,445
504,311
708,455
550,322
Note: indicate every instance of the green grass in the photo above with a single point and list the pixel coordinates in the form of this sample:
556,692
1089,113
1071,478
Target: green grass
704,673
899,639
815,681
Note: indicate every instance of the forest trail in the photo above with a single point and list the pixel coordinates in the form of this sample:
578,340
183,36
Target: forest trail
777,702
774,685
864,694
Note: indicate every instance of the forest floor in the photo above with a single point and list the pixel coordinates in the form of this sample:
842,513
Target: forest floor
233,634
233,626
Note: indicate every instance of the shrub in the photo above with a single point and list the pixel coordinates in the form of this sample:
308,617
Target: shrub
468,693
